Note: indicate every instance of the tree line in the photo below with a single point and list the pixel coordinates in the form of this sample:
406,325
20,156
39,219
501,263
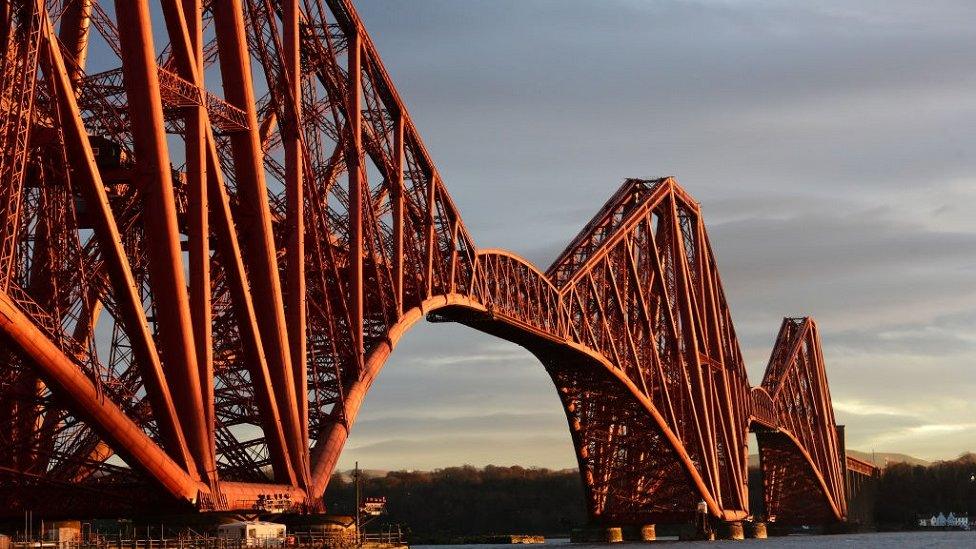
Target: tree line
457,503
906,492
462,503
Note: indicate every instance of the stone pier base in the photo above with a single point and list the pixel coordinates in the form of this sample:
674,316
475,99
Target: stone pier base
614,535
732,530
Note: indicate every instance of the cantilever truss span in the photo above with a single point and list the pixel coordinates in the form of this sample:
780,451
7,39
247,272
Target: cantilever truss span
210,245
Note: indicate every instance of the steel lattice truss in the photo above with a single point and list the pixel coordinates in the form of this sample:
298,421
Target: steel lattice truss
204,269
802,477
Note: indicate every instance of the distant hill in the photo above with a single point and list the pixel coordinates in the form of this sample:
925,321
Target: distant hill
877,458
348,475
880,459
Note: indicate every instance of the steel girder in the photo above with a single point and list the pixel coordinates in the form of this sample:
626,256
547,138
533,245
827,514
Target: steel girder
197,289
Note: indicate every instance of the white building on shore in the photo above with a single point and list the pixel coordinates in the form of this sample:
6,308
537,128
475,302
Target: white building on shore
943,521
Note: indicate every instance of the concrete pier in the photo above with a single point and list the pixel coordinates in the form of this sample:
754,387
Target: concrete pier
648,532
732,530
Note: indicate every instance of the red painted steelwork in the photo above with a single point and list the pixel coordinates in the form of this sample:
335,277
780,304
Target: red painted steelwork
198,292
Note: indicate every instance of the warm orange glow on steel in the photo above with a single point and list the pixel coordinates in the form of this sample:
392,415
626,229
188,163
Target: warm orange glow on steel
217,322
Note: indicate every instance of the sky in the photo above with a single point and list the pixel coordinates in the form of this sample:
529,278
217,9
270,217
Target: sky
831,145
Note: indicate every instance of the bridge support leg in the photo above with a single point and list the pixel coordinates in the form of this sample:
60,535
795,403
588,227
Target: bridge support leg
648,532
758,530
732,530
614,535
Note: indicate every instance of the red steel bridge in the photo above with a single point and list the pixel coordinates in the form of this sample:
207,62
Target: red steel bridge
209,251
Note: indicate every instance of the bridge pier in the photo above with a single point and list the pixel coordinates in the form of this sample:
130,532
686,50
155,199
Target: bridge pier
648,532
614,534
732,530
757,530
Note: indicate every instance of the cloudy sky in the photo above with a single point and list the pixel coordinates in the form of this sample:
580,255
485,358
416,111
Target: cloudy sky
831,147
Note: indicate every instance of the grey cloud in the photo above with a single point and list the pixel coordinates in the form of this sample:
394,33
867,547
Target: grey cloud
949,335
859,270
429,374
815,243
831,147
606,91
495,424
864,427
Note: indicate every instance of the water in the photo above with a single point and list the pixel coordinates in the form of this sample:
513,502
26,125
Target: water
839,541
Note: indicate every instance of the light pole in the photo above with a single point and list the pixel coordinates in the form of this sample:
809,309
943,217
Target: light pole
359,536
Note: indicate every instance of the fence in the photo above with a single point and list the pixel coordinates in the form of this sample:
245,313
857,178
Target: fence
297,540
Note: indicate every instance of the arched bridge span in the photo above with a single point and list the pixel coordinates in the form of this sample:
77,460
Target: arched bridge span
199,282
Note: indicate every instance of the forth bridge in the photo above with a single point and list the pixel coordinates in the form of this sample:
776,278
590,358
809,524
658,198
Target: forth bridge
209,252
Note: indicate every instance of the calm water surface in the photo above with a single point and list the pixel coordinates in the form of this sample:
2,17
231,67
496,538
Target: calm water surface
841,541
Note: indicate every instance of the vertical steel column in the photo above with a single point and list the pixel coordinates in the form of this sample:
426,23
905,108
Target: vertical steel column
254,223
354,159
200,297
430,232
73,34
162,232
397,193
295,215
847,496
185,25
